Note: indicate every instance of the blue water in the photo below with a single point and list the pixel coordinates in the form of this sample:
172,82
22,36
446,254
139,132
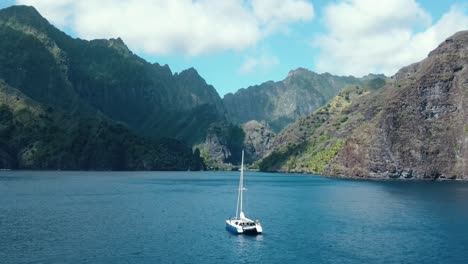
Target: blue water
178,217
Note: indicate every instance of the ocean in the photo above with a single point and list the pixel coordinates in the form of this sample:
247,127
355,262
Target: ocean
179,217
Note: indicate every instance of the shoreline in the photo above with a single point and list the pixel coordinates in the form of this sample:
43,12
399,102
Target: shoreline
413,179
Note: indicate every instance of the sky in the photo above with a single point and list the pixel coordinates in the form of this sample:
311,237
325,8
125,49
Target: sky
238,43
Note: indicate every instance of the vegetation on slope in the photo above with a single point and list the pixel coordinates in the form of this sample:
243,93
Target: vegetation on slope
33,137
309,144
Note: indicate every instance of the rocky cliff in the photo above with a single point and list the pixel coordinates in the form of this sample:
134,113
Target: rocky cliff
258,140
224,143
413,128
421,130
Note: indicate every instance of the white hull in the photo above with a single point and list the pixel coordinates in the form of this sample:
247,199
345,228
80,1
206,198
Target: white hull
240,227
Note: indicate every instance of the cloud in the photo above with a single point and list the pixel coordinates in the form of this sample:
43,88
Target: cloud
167,27
263,63
275,13
366,36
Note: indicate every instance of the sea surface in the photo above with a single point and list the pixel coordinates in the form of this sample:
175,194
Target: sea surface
179,217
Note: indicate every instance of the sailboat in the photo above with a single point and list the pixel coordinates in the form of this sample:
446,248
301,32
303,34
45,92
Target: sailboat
241,224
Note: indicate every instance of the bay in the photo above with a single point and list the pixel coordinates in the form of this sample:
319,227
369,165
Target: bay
179,217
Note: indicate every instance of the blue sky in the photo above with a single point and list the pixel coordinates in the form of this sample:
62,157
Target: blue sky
238,43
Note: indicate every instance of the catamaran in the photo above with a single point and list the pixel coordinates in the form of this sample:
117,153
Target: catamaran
241,224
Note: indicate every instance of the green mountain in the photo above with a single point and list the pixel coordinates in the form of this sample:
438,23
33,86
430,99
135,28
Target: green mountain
412,128
85,77
76,104
280,103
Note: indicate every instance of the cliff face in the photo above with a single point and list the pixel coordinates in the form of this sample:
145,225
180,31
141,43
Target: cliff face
224,143
413,128
280,103
421,131
223,146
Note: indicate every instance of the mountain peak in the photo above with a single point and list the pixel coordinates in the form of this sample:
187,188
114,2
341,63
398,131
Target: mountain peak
190,72
22,9
117,41
164,68
452,44
119,45
297,71
24,14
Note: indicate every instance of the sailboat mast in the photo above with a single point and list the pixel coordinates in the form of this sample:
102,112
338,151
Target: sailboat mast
238,199
239,191
242,180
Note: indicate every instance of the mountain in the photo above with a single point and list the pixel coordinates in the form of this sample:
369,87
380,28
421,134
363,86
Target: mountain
412,128
105,77
280,103
76,104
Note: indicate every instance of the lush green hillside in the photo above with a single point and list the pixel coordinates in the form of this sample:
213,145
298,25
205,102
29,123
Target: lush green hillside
312,141
34,137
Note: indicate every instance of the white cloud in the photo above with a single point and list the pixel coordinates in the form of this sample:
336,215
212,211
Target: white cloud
366,36
263,63
165,27
275,13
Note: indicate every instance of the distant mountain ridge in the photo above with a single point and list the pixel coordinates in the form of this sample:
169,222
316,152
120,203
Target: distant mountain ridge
280,103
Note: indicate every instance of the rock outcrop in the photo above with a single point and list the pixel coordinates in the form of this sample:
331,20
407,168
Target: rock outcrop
258,140
222,146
